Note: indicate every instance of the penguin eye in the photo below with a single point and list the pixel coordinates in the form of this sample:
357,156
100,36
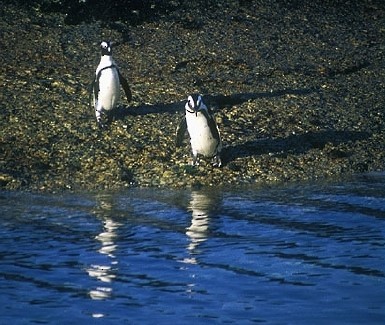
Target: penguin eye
190,103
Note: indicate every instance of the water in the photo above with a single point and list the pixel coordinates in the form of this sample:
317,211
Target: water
299,254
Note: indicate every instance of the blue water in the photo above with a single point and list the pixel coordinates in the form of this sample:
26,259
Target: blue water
296,254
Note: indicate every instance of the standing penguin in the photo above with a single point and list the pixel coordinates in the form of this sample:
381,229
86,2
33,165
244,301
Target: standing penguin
204,134
105,86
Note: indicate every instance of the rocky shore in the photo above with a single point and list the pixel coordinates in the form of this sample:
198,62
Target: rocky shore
298,89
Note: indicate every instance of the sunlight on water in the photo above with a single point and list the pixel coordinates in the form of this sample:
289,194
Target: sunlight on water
307,253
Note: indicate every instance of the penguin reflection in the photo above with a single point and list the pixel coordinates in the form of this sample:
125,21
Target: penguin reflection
201,204
105,273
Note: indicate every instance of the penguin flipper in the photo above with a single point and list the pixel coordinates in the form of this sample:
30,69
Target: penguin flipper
212,125
180,132
125,86
91,92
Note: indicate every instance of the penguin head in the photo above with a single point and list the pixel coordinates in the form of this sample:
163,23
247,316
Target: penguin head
106,47
195,104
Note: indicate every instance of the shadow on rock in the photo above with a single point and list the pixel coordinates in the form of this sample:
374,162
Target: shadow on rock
222,101
214,101
294,144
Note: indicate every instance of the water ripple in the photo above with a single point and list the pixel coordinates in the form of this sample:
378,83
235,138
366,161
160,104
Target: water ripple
297,252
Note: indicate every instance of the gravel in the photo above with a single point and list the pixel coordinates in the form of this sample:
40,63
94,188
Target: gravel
298,91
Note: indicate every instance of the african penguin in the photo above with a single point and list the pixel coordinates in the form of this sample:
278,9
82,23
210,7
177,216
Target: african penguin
204,134
105,85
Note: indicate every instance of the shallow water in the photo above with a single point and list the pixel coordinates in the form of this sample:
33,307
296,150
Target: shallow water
308,253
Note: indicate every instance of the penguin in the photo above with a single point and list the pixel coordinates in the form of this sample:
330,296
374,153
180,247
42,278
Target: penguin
105,91
204,134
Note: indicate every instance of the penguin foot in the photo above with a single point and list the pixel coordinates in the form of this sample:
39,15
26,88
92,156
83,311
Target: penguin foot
101,125
217,162
104,119
195,161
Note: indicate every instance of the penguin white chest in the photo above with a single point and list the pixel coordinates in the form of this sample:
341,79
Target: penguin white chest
201,138
109,91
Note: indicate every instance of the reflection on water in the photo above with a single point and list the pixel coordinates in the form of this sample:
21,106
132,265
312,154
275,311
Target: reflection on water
200,205
105,273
